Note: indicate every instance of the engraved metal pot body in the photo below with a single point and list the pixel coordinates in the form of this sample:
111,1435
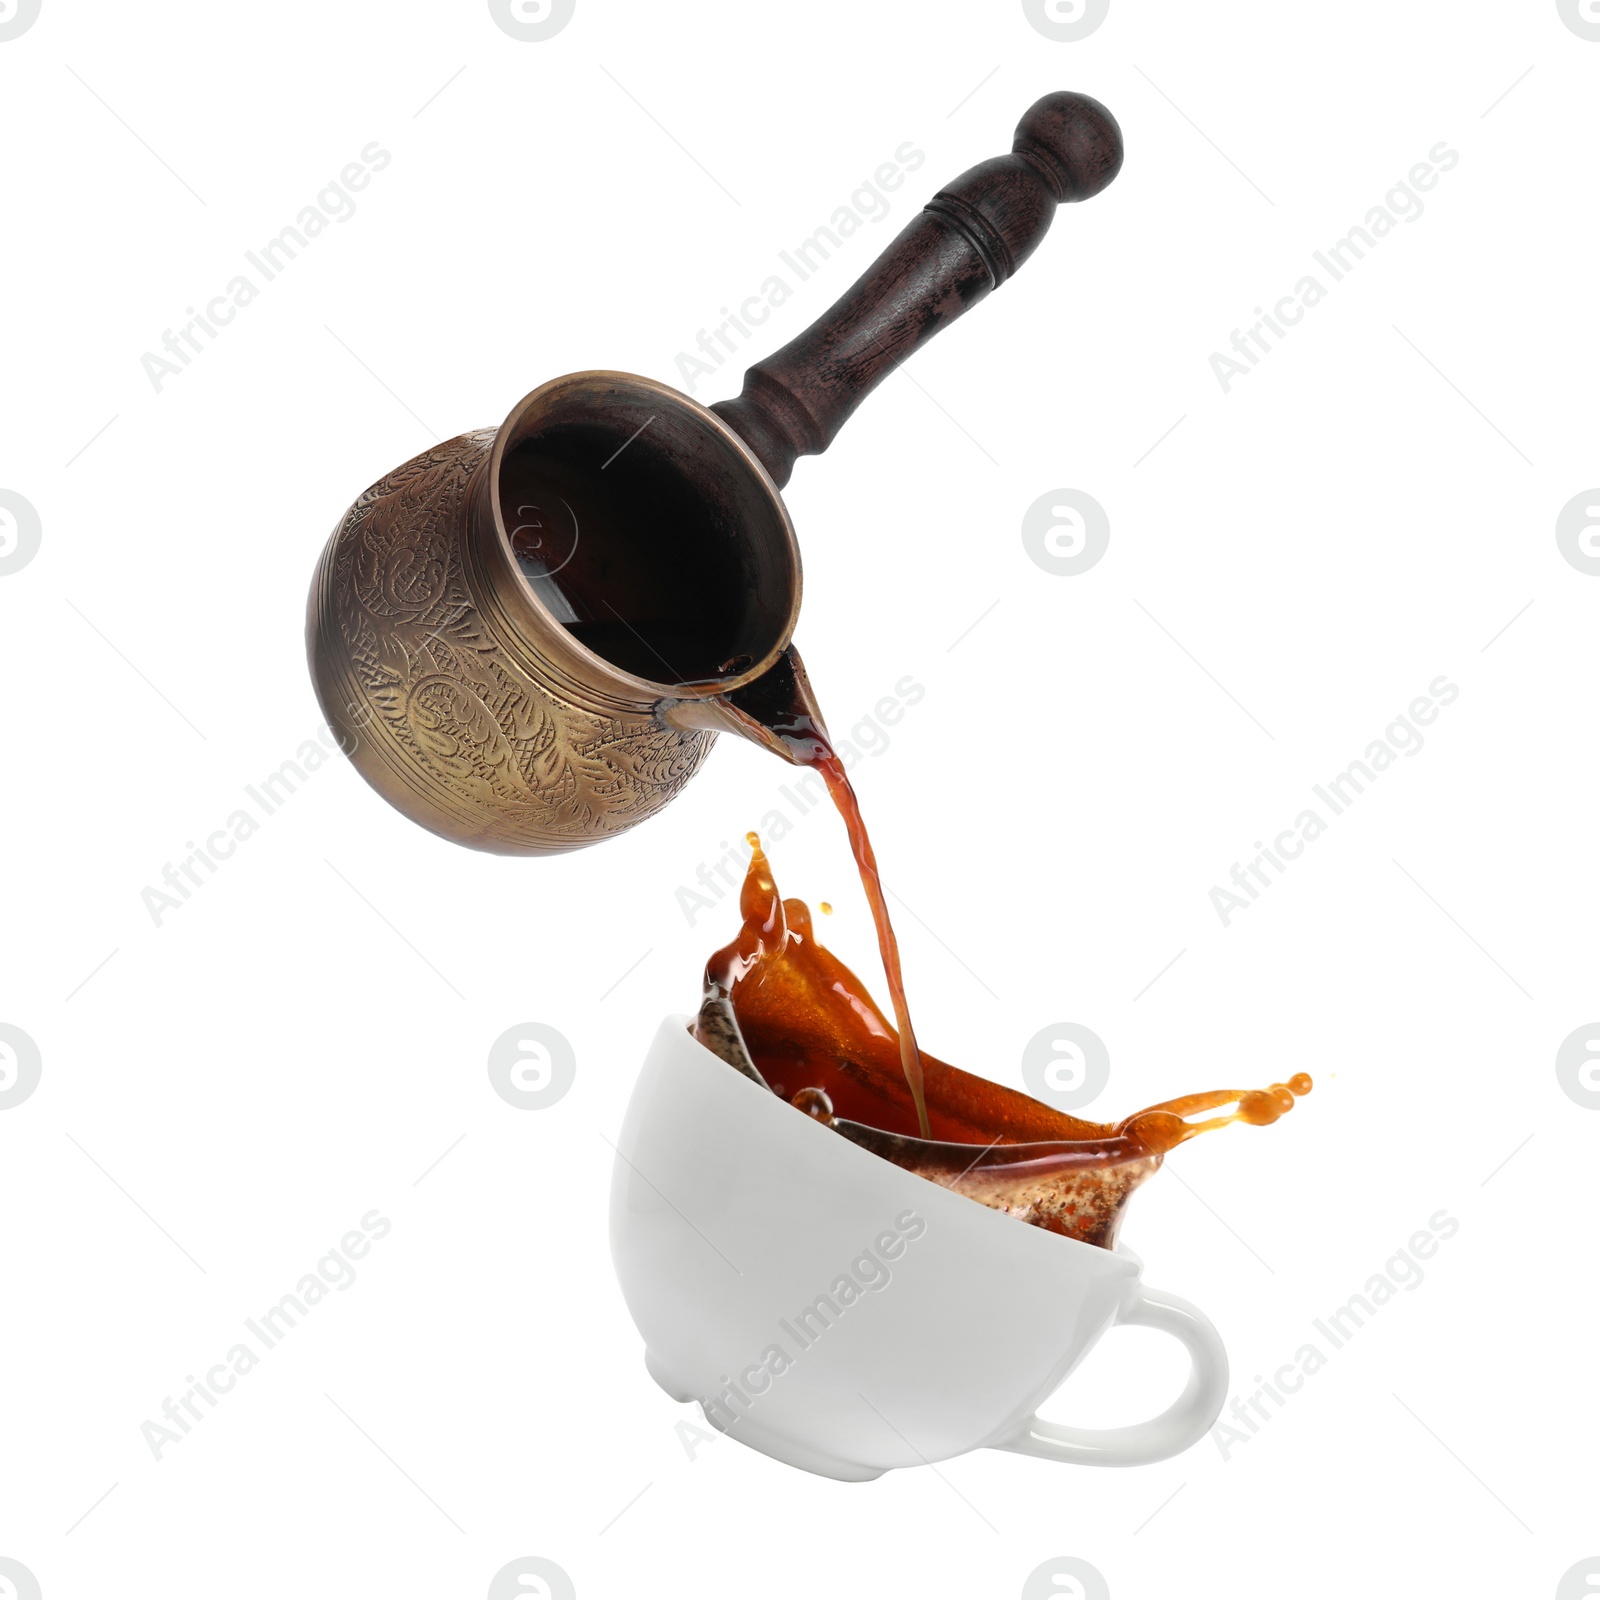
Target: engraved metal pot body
462,697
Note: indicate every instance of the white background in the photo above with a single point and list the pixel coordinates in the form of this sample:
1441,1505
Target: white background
225,1095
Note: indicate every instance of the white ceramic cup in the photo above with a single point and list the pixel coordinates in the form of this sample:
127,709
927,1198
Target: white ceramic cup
841,1314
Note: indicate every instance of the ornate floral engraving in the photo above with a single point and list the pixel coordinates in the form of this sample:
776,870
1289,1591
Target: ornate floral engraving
455,701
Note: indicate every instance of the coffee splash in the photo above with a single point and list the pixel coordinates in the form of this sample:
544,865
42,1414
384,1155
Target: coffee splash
790,1015
780,703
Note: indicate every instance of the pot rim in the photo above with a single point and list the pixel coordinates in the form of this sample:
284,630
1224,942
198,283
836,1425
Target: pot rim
592,666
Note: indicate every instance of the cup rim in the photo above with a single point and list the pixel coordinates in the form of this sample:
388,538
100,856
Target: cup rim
1118,1257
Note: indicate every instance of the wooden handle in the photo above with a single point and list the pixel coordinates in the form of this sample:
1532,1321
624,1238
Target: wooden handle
966,241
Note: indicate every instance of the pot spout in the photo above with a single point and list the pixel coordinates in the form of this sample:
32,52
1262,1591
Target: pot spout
778,711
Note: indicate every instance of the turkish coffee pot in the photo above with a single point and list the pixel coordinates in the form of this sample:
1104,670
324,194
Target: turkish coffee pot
528,638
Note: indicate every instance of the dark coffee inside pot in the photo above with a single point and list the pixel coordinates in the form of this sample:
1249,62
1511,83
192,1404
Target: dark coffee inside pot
627,556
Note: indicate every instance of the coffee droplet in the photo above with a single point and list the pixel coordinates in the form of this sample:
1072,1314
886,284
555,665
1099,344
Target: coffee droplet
1259,1107
825,908
815,1103
753,839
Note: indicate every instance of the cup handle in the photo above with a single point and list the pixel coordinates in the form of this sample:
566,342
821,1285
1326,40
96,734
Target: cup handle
1178,1427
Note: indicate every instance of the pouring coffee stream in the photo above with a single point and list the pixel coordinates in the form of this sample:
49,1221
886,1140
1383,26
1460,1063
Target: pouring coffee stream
781,707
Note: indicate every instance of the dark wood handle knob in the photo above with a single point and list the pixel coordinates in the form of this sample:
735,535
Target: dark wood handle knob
965,242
